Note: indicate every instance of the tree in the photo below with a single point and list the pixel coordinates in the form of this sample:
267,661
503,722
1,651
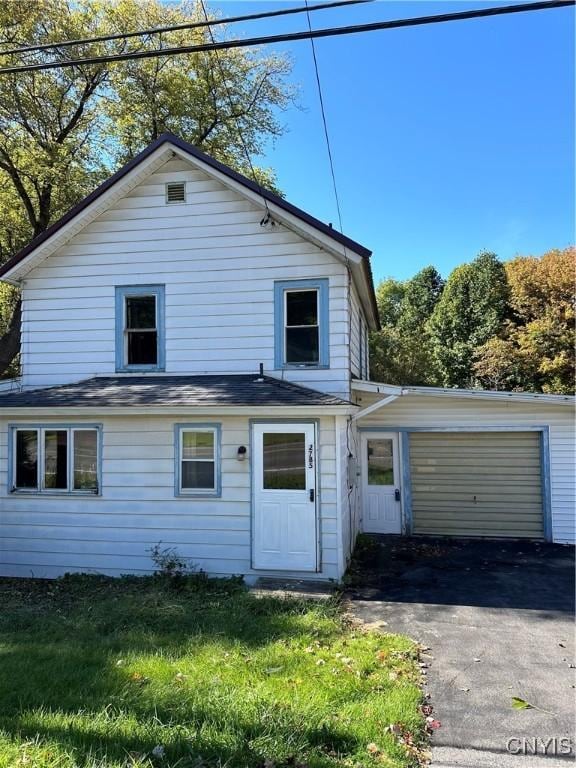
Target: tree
535,349
63,131
471,309
401,351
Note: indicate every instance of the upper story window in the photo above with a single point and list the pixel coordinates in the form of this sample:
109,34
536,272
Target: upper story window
140,343
55,459
301,324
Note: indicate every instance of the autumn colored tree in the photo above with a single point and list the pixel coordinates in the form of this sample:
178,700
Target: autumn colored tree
535,348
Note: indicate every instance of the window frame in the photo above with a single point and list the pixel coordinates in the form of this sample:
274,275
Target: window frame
281,289
41,429
124,292
202,493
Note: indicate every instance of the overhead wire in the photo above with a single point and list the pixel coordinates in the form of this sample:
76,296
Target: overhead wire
267,217
294,36
178,27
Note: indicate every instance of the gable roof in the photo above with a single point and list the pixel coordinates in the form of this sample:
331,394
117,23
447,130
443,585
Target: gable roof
250,390
186,147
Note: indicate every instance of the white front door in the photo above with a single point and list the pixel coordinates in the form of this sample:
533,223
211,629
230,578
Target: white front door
284,482
381,504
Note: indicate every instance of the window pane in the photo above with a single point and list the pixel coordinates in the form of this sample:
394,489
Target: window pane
197,445
302,308
198,475
284,461
142,348
380,462
56,459
302,345
140,312
26,458
85,460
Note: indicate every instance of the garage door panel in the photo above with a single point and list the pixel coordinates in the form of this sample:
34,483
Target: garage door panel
476,483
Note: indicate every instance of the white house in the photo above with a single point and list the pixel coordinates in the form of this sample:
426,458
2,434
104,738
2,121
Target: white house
195,372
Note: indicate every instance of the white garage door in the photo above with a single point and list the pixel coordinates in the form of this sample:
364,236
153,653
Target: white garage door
477,484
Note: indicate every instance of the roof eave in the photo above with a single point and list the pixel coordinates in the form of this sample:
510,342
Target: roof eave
477,394
270,411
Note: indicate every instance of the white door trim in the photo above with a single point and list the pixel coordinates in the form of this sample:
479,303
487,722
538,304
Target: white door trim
312,483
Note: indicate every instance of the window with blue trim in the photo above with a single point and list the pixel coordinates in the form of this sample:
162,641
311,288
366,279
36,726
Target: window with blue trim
301,324
55,459
140,342
198,460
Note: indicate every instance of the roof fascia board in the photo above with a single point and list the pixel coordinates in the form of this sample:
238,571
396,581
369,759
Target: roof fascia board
481,394
286,218
84,217
248,411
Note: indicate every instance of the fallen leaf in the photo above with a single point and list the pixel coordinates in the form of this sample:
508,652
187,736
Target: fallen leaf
374,749
518,703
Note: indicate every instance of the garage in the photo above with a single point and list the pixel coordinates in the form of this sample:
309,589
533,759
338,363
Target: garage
477,484
465,463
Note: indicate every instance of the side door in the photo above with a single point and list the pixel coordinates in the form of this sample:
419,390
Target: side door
381,492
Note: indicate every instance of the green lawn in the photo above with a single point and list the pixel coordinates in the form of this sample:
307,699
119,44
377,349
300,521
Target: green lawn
100,672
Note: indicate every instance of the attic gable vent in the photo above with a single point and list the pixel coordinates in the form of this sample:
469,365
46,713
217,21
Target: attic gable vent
176,192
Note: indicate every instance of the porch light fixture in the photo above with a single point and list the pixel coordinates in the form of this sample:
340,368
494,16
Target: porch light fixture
241,455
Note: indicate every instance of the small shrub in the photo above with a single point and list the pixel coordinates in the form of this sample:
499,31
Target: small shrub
169,562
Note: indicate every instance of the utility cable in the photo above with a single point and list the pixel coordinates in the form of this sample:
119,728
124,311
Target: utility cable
295,36
177,27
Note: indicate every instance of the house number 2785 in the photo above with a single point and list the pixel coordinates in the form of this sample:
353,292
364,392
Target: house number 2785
310,456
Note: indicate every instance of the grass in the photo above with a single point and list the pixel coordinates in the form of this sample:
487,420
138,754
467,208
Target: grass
103,673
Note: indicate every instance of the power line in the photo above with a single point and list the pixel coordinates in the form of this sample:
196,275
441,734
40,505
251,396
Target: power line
176,27
294,36
233,111
324,122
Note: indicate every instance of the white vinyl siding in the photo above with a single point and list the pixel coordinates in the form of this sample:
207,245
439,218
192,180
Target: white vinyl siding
357,343
218,265
113,533
445,412
476,484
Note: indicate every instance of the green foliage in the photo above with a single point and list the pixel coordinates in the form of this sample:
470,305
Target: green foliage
8,300
401,352
492,325
471,309
111,673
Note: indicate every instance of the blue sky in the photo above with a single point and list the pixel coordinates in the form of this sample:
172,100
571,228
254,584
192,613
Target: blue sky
447,139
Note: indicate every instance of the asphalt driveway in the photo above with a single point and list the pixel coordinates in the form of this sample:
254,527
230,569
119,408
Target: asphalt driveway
498,619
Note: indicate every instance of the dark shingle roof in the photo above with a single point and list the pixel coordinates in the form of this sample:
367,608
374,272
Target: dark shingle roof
138,391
